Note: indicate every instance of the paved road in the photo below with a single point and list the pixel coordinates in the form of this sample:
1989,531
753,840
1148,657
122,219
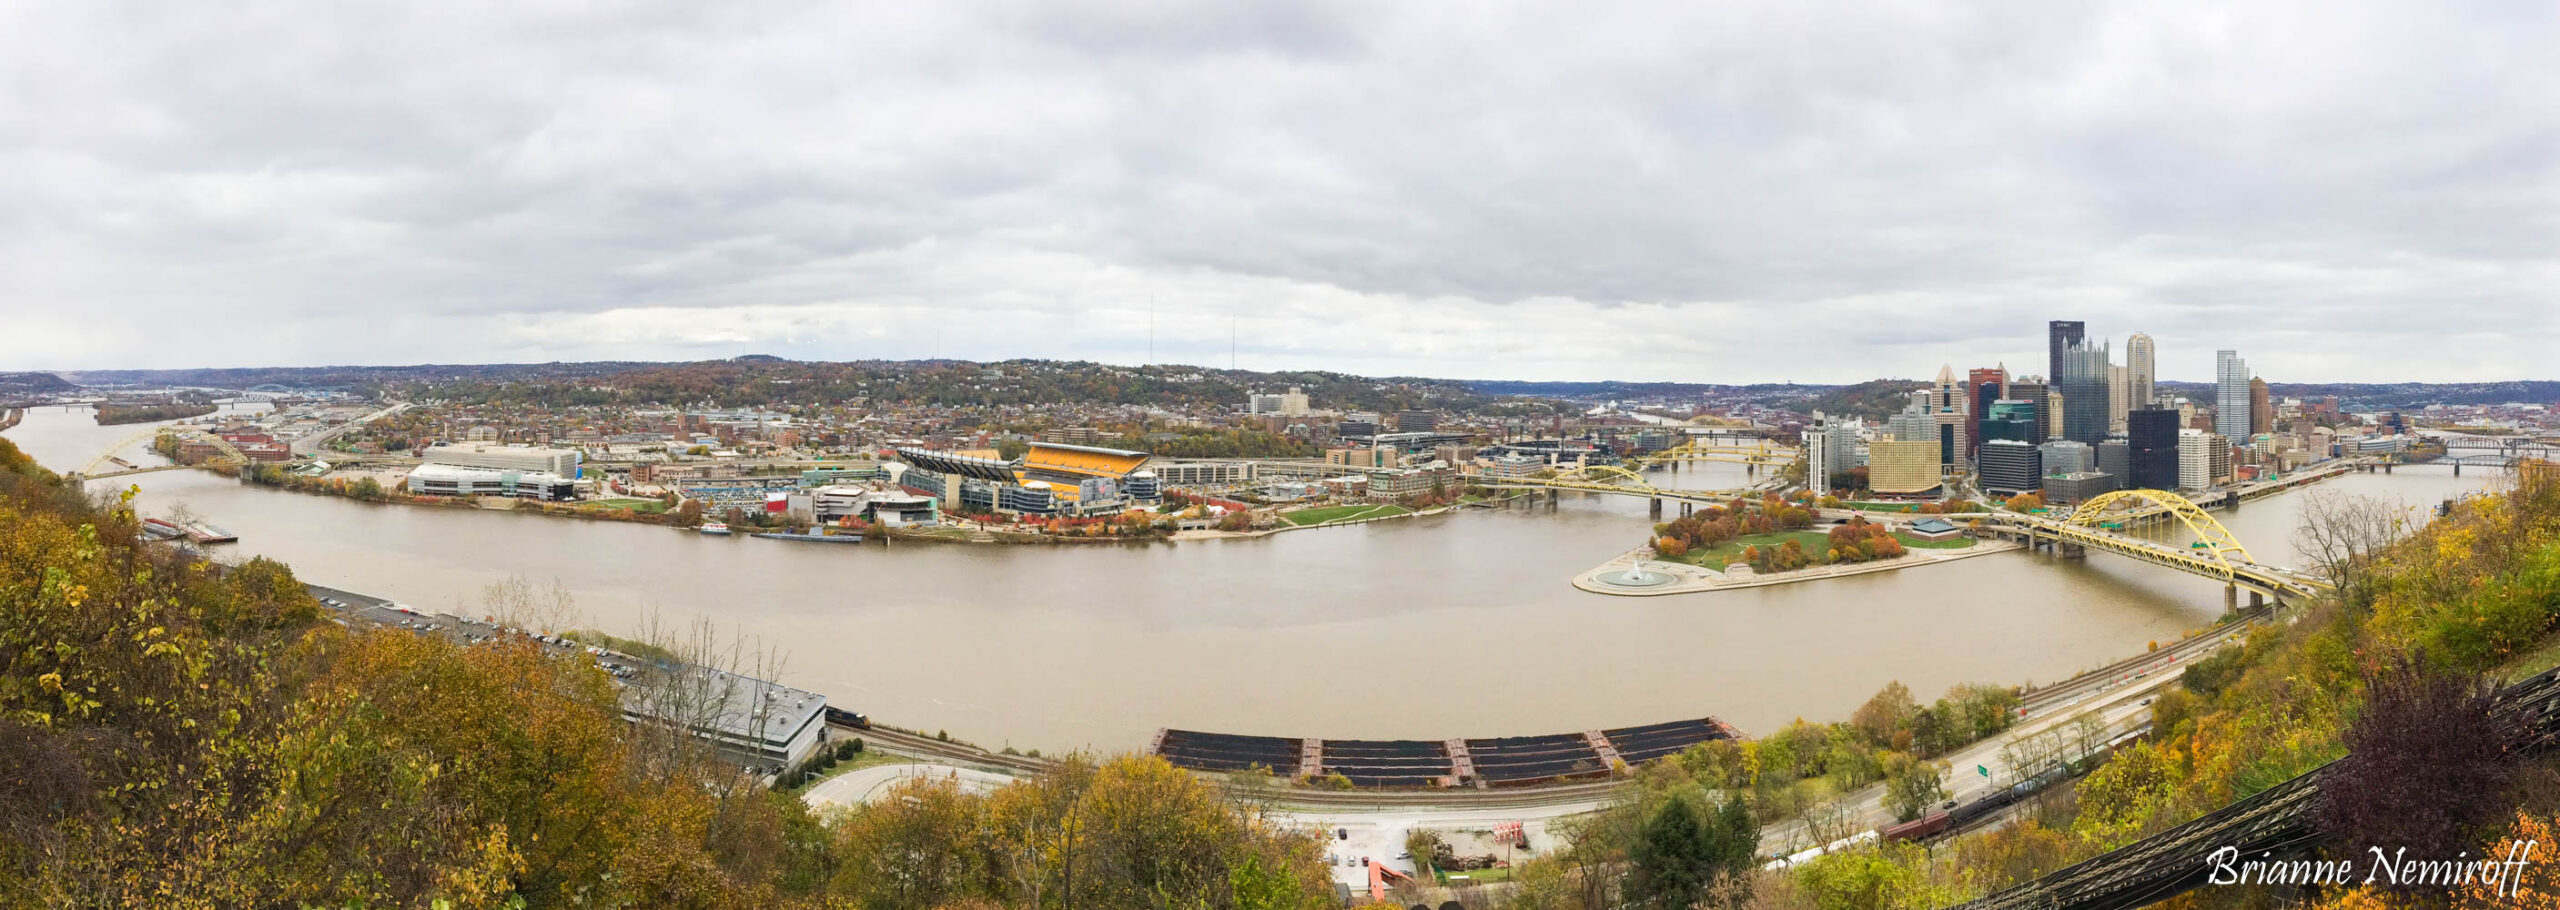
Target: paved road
863,785
310,445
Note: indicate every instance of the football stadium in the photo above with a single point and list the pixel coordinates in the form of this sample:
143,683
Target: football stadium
1052,479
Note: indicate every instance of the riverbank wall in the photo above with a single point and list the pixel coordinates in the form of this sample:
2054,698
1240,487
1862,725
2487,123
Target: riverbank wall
1689,579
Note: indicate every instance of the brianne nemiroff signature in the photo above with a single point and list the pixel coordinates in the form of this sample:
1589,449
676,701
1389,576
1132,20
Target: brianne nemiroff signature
2394,869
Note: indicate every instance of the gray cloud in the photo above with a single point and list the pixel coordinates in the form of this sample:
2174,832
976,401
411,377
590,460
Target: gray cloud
2342,191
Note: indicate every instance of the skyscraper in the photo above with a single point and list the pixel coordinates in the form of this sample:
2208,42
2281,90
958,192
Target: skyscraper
1949,412
2140,369
1982,387
1817,460
2009,466
2152,438
2032,391
2119,396
2060,334
2084,391
2230,395
2262,408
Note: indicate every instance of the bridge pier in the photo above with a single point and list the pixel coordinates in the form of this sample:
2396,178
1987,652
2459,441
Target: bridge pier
1655,510
2230,597
2071,550
2257,599
2457,469
1686,507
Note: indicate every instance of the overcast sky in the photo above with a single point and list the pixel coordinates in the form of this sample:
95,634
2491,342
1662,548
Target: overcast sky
1715,192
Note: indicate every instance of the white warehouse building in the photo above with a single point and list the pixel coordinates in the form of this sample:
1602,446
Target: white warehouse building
563,462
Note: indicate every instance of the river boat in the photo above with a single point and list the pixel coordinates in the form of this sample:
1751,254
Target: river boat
161,530
715,528
813,538
206,532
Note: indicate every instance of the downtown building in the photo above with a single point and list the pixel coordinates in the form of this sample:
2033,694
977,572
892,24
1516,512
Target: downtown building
2204,459
2230,395
2085,398
1900,467
2152,449
1983,388
2141,371
2008,466
1830,447
2063,456
2013,420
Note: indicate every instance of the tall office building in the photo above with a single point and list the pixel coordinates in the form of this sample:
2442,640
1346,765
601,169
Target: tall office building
2012,420
1830,447
2204,459
2115,457
1950,412
1983,387
2084,392
2062,456
2152,443
2262,408
2141,369
2010,467
1912,425
2119,396
2032,391
2059,335
1817,460
2230,395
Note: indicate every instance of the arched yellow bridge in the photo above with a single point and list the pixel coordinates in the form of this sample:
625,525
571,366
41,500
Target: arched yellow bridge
2217,553
226,453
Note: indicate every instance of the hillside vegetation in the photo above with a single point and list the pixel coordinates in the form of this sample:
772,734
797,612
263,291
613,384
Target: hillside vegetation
1872,400
180,735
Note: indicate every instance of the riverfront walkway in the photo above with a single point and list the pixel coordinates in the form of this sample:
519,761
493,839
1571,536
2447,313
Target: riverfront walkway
1634,574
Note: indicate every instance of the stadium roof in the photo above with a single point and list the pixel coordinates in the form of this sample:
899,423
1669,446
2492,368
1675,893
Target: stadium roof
964,465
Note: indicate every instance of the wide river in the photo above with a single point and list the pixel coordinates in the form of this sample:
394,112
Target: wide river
1453,625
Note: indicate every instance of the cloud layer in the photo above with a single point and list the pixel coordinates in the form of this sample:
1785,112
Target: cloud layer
1704,192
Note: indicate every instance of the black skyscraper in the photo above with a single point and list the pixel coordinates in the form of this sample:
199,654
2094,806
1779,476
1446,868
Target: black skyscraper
2059,334
2152,435
2084,392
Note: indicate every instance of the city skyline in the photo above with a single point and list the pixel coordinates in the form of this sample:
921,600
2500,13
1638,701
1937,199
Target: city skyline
1657,198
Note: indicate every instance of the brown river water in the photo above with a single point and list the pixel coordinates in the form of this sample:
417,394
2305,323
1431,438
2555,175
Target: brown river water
1443,626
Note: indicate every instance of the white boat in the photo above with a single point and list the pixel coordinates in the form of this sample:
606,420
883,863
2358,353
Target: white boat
714,527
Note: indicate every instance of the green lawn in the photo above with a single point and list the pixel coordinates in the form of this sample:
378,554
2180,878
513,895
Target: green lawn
2542,657
1952,543
1328,514
1814,542
1717,557
650,506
